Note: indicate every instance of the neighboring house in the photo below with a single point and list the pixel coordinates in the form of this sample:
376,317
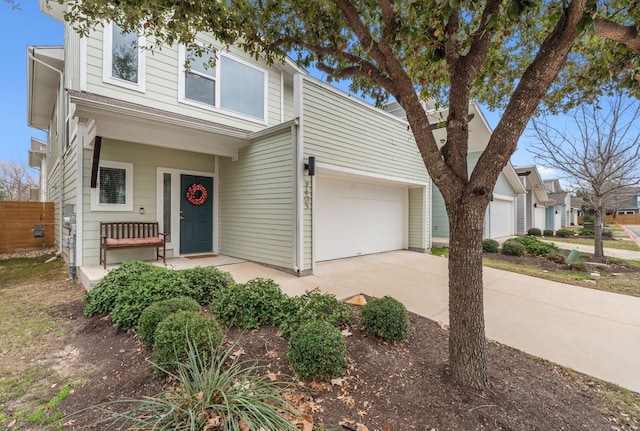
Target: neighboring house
531,207
38,160
129,132
500,217
632,204
575,211
558,211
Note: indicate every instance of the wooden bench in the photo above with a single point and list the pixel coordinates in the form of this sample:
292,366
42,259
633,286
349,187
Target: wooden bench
120,235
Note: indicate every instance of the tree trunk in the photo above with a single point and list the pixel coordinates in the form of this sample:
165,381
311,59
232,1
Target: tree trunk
598,251
467,343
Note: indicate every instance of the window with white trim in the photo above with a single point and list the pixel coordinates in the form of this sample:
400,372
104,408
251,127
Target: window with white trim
233,84
123,58
114,188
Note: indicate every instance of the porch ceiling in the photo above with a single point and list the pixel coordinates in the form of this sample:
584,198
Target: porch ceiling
134,123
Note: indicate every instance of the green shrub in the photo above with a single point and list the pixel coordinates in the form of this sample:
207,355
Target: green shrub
490,245
317,350
534,231
207,281
512,247
102,298
173,335
535,247
158,283
547,232
209,387
314,305
157,312
565,233
257,302
385,318
587,232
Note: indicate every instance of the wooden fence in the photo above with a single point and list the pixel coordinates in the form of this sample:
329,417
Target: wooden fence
620,219
19,219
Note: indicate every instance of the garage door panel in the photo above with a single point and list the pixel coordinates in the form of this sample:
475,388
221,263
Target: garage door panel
501,222
354,218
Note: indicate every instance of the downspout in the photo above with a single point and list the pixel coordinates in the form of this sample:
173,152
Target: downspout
296,131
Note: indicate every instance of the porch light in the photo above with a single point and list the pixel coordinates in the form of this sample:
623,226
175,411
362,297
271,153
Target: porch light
311,166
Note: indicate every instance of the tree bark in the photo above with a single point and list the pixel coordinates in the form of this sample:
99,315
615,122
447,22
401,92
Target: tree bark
467,342
598,251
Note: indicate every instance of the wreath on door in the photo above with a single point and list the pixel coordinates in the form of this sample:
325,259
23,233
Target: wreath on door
197,194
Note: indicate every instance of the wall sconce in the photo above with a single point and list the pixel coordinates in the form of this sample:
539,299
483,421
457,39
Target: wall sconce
571,210
311,166
491,197
141,210
556,211
535,205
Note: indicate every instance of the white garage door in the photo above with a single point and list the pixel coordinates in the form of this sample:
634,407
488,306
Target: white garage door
501,222
354,218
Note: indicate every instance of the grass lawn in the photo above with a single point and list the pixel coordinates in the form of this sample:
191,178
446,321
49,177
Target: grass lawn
619,244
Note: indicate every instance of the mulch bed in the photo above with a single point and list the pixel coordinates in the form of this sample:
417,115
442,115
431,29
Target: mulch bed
389,386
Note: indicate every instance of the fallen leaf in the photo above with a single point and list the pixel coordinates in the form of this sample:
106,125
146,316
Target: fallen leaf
348,400
362,413
307,423
346,333
337,382
272,376
361,427
237,353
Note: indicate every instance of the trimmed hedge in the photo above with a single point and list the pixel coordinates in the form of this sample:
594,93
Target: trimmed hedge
512,247
157,312
547,232
385,318
490,245
565,233
534,231
250,305
207,282
314,305
317,350
174,334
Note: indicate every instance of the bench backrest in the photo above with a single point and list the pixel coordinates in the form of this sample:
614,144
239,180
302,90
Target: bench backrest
120,230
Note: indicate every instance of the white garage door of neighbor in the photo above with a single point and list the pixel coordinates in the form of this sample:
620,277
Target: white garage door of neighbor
354,218
501,218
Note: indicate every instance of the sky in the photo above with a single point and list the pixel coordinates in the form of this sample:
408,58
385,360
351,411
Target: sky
28,26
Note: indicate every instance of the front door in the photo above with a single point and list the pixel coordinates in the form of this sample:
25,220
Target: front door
196,214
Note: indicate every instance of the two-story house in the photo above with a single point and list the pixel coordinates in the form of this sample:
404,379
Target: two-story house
131,132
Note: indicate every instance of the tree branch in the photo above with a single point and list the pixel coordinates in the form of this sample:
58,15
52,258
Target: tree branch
627,35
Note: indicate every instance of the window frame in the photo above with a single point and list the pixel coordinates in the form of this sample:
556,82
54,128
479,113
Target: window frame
107,62
95,193
217,86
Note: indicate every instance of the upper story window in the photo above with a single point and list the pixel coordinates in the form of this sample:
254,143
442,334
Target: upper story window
123,58
232,85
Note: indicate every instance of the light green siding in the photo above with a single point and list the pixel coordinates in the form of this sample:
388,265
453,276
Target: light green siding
161,85
418,219
343,132
146,160
440,226
503,187
256,202
307,217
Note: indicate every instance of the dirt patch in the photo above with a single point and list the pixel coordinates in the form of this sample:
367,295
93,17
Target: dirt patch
389,386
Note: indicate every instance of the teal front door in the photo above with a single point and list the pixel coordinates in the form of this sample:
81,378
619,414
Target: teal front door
196,214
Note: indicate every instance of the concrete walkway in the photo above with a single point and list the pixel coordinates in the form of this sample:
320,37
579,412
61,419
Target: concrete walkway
593,332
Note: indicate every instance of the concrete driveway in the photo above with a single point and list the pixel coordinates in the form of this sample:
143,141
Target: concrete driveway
593,332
